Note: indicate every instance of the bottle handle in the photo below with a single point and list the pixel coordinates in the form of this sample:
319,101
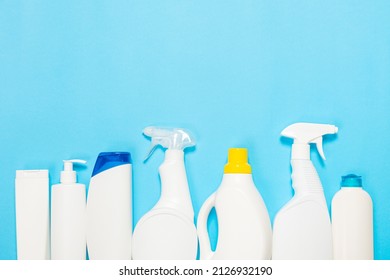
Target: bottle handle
204,241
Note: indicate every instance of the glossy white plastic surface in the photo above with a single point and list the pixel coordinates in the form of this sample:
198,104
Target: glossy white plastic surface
68,241
167,232
302,228
109,214
352,224
68,203
244,227
32,214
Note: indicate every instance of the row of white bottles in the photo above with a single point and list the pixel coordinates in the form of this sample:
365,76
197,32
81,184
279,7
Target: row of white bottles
103,222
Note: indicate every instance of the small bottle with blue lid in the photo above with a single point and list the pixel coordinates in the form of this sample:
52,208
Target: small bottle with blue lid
352,221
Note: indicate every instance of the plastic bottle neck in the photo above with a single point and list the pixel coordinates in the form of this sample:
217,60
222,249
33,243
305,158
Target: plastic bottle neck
300,151
174,186
234,179
172,155
305,178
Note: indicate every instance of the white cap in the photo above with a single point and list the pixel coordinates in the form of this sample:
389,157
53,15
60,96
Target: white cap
68,175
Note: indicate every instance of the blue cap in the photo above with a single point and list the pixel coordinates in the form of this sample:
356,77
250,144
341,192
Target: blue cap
109,160
351,180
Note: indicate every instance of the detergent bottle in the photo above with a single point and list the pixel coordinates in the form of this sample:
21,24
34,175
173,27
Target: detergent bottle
244,227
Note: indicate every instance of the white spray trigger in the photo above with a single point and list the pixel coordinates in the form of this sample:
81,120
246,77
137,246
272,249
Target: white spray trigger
153,146
306,133
170,138
318,142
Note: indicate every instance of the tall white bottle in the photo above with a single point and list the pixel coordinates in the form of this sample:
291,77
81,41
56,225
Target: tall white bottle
167,231
244,227
109,212
352,221
302,228
32,214
68,201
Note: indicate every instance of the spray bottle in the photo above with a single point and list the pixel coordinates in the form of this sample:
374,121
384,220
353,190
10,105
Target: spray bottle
167,231
302,228
68,202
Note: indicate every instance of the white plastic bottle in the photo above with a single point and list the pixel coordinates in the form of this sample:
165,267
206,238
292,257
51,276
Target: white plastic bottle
302,228
68,202
109,212
352,221
244,227
167,231
32,214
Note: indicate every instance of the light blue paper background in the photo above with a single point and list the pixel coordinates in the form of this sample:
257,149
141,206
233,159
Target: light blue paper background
81,77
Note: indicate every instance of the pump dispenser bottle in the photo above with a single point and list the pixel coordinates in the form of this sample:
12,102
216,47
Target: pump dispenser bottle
244,227
68,200
167,231
352,221
109,215
302,228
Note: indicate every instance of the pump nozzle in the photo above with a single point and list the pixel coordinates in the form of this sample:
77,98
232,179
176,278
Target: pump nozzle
68,175
170,138
306,133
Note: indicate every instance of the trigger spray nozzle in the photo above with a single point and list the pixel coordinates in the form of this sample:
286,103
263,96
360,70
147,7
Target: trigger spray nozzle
169,138
305,134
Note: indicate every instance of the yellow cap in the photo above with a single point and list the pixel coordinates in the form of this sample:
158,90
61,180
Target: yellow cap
238,161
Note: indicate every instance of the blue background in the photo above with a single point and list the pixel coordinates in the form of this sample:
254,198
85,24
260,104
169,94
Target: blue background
81,77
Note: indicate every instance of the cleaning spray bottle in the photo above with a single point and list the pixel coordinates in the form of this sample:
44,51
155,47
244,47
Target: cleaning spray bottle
109,215
167,231
68,201
244,227
302,228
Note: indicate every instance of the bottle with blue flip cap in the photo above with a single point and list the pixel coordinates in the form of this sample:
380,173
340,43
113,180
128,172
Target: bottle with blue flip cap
302,228
109,208
352,221
167,231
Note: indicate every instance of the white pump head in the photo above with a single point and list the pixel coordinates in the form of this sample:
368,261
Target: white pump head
170,138
68,175
306,133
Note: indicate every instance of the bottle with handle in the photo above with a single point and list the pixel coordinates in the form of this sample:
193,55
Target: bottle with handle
352,221
68,202
302,228
244,227
167,231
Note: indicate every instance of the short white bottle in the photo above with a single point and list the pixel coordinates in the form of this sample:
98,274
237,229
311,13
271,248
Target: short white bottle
352,221
32,214
68,202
